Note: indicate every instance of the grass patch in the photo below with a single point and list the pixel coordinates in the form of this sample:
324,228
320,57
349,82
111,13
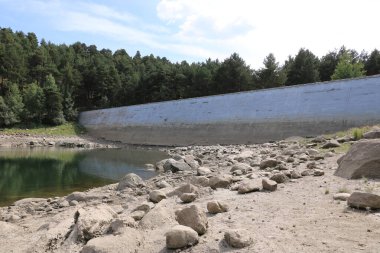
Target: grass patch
343,189
67,129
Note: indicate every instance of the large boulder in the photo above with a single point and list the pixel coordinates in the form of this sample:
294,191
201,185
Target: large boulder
193,217
364,200
373,134
180,237
362,160
130,180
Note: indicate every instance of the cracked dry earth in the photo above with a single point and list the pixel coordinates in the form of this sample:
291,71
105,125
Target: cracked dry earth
300,216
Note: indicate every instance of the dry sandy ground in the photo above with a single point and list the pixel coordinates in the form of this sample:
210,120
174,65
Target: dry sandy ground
301,216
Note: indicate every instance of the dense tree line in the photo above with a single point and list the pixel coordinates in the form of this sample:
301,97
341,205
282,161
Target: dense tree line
44,83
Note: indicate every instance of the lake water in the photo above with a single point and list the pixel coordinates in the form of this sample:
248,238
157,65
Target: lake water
47,172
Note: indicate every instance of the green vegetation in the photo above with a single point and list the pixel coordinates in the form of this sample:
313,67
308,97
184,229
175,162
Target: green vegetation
67,129
45,83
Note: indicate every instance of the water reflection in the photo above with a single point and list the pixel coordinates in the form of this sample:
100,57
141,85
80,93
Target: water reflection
56,172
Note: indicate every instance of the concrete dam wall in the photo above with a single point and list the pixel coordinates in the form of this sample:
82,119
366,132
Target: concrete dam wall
245,117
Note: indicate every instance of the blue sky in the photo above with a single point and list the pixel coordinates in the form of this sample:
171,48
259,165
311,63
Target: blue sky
194,30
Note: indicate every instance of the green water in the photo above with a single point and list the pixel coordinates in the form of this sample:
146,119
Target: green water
26,173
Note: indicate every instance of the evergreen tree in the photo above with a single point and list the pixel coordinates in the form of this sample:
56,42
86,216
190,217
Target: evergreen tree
34,101
233,75
271,75
347,68
5,114
304,68
372,65
53,102
69,110
13,99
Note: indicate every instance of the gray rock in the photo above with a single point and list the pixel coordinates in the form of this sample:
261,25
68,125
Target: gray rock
175,166
144,207
160,165
201,181
362,160
185,188
237,238
305,173
268,163
248,186
331,144
117,226
191,161
269,185
341,196
181,236
279,178
137,215
220,182
92,222
202,171
364,200
156,196
215,207
78,196
193,217
130,180
318,173
244,168
162,184
295,175
188,197
373,134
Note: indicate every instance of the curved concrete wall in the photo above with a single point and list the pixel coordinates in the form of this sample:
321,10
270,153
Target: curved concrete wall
245,117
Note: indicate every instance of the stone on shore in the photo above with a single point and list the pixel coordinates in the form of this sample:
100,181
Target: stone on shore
268,163
331,144
130,180
202,171
193,217
156,196
373,134
341,196
248,186
175,166
269,185
220,181
215,207
362,160
237,238
188,197
279,178
181,236
364,200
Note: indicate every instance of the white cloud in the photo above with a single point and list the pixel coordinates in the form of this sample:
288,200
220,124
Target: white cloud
256,28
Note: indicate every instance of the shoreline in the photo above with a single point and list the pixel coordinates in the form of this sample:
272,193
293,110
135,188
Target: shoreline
126,219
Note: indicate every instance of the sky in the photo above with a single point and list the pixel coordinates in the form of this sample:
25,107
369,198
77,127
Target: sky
195,30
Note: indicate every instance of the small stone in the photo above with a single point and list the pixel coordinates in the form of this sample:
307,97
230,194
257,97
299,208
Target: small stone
188,197
202,171
269,185
237,238
74,203
364,200
144,207
201,181
331,144
156,196
305,173
181,236
193,217
268,163
295,175
215,207
137,215
248,186
162,184
130,180
220,182
341,196
279,178
318,173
